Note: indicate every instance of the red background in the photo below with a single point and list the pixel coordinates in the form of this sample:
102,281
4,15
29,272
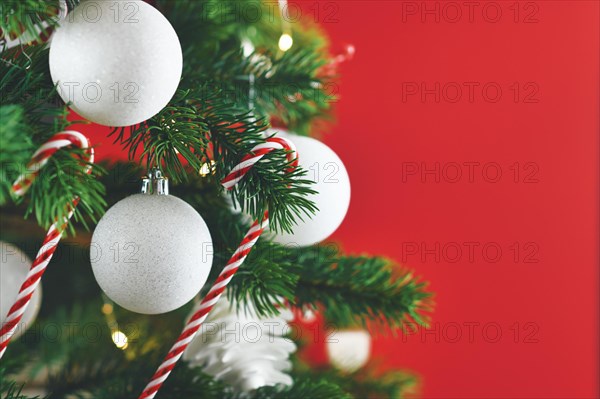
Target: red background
550,47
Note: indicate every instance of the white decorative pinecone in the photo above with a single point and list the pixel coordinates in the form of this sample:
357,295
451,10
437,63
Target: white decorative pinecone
241,348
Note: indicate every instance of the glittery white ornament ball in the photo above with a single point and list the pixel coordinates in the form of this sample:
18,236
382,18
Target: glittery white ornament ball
332,184
14,266
151,253
117,62
349,350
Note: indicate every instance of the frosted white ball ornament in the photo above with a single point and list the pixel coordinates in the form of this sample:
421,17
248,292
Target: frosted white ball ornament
349,350
332,184
116,63
14,266
152,252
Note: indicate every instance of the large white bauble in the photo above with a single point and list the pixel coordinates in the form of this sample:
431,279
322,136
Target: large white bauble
349,350
14,266
117,62
332,184
151,253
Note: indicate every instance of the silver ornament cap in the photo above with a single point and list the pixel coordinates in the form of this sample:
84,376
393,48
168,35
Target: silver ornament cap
155,183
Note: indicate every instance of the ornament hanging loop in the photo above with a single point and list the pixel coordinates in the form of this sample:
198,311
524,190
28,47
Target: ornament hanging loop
155,183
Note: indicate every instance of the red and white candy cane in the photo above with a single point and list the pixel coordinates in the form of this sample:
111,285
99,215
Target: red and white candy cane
38,160
238,257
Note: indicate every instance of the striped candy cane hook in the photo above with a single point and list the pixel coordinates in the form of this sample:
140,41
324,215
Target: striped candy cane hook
20,187
238,257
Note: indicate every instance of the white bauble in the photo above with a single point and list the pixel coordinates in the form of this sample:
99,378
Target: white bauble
349,350
332,184
14,266
117,62
151,253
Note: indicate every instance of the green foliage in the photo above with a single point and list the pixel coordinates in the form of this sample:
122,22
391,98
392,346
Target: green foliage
204,25
25,80
201,127
350,290
9,388
175,134
16,148
284,194
303,388
360,289
263,282
366,382
29,117
61,180
288,86
25,18
12,390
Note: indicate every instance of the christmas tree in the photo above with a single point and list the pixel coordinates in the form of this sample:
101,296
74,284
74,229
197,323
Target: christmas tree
210,107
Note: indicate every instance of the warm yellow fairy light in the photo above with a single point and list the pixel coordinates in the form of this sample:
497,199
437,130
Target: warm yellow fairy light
107,308
285,42
120,339
207,168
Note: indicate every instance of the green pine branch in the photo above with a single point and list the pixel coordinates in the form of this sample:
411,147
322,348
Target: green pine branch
201,127
361,289
110,381
16,148
31,113
288,87
367,382
25,81
350,290
12,390
9,387
203,25
303,388
61,180
25,19
177,134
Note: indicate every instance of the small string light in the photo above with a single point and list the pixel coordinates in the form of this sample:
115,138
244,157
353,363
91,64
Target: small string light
120,339
285,42
107,308
207,169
